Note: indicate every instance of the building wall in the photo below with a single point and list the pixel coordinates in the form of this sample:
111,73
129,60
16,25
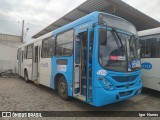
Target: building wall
8,52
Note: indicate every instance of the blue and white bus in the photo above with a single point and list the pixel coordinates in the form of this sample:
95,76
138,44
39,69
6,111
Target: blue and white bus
95,59
150,56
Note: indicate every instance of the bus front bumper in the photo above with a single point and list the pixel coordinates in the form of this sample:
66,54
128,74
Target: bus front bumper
104,97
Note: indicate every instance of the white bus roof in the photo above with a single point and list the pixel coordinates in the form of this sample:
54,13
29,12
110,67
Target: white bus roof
149,32
36,40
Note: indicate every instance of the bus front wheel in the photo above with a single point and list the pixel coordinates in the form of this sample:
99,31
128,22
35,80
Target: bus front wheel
63,88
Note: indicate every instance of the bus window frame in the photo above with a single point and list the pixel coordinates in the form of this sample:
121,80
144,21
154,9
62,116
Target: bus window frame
18,53
144,38
64,43
27,51
53,46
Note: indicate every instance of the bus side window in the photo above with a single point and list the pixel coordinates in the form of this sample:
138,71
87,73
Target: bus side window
150,46
29,51
77,51
25,53
64,44
48,46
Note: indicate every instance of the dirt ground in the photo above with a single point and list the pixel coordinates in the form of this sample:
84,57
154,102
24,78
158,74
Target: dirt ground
16,95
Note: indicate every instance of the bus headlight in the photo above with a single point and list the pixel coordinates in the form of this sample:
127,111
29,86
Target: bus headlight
106,84
109,87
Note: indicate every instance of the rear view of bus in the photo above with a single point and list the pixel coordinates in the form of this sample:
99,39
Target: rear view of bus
118,66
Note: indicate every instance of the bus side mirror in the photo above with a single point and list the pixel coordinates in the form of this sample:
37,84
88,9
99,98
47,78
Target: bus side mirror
103,36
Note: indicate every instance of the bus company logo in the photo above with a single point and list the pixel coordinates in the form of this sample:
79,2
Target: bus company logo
146,66
102,72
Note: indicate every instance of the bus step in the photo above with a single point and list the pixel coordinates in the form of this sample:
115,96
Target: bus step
83,91
84,86
81,97
84,78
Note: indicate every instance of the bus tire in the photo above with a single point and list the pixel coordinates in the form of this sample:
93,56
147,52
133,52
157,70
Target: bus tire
63,88
26,77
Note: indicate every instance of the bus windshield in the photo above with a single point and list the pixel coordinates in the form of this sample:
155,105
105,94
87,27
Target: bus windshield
118,23
119,51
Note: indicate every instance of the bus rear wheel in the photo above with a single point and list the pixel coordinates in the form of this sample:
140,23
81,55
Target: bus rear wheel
63,88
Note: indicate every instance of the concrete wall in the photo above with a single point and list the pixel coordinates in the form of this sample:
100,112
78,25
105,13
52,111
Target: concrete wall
12,38
8,52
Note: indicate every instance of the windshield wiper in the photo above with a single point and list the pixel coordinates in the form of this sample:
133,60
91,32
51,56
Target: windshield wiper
115,35
131,46
116,39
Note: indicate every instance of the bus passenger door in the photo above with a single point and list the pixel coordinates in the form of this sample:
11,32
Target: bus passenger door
77,66
89,65
19,61
35,63
82,67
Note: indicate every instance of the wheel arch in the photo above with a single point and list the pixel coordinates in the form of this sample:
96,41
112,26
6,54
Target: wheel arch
25,70
56,78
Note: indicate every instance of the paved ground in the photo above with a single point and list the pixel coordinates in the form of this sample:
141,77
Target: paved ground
16,95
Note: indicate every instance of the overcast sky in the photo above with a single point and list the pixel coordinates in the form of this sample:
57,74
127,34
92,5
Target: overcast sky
40,13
